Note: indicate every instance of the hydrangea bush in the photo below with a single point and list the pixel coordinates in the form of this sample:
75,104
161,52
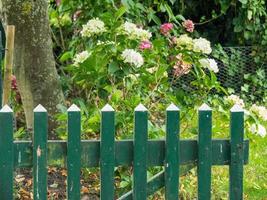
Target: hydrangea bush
124,63
118,51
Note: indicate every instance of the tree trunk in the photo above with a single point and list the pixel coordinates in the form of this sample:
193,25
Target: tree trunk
34,64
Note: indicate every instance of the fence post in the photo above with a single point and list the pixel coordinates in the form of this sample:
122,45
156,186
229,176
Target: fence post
237,153
140,153
204,152
1,64
107,153
172,149
6,155
74,153
39,153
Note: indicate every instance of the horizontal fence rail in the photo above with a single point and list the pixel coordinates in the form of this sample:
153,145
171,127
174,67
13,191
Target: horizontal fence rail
140,153
90,153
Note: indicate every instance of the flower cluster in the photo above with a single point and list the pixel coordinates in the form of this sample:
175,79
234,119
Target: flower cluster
184,42
211,64
189,25
135,32
202,45
132,57
181,67
234,99
166,28
258,129
105,43
145,45
80,58
260,111
93,27
14,88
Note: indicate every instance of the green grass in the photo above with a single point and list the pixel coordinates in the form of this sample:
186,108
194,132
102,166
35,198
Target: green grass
255,183
255,173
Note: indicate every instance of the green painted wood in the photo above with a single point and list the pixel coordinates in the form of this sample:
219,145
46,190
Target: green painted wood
74,153
172,163
156,182
1,61
3,39
237,153
39,154
6,155
204,152
107,153
90,153
140,153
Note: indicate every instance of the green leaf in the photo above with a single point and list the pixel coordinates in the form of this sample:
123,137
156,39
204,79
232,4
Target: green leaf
180,17
243,1
173,1
120,12
113,67
65,56
124,184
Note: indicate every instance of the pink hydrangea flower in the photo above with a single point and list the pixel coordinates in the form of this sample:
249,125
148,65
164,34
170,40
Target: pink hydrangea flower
58,2
165,28
189,25
145,45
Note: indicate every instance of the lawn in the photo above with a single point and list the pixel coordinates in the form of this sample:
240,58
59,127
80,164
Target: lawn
255,173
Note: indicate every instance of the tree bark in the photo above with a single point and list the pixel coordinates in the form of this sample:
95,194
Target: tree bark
34,64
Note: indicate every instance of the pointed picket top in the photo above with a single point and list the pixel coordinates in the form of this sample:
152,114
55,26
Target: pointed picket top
172,107
107,108
39,108
74,108
140,107
6,109
237,108
204,107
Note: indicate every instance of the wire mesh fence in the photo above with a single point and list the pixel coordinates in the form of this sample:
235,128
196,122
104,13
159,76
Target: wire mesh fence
234,63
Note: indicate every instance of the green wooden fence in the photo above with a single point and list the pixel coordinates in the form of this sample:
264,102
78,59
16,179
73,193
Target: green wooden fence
107,153
2,55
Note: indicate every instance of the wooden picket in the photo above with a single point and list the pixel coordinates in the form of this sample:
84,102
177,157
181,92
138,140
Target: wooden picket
107,153
204,152
74,153
172,153
140,153
6,153
40,153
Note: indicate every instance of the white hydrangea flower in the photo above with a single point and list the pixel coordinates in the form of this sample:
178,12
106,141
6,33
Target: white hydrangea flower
81,57
202,45
261,111
234,99
184,41
261,131
93,27
253,128
99,42
132,57
129,27
134,32
211,64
